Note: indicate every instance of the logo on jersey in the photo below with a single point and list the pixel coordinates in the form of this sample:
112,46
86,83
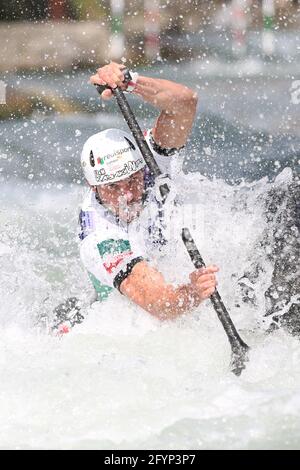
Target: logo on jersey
114,253
87,223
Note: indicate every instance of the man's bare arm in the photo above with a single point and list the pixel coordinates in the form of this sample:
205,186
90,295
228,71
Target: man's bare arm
176,102
147,287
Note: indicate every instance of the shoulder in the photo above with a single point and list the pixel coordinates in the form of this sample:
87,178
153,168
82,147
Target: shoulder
110,257
86,216
91,216
161,151
169,160
89,200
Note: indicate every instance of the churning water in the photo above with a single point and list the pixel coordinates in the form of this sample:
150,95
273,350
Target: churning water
122,379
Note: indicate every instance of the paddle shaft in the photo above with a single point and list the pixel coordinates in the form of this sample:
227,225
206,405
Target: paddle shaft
237,344
238,347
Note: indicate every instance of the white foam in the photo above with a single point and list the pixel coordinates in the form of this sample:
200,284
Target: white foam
122,379
4,249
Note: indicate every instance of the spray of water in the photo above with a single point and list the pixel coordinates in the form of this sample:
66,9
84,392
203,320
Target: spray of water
122,379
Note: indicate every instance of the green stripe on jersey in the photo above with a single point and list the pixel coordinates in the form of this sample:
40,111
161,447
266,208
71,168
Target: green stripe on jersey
102,290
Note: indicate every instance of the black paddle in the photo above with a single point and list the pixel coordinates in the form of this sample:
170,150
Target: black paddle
238,347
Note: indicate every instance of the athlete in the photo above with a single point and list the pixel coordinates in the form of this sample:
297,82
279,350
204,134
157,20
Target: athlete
122,226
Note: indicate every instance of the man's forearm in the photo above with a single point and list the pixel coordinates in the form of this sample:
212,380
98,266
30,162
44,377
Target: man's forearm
165,95
172,302
177,104
147,287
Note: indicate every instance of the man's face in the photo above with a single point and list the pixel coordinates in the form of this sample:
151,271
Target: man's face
124,198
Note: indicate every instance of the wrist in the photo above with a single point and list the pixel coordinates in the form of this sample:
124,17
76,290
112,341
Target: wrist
131,78
188,296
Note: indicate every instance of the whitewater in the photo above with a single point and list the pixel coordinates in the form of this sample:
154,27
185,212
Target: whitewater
122,379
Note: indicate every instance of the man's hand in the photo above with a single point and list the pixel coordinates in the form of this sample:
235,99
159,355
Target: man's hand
177,103
204,281
111,75
163,94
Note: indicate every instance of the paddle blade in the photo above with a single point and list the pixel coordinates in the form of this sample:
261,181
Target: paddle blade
239,359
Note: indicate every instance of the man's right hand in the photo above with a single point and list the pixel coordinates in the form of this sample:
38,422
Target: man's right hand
111,75
203,281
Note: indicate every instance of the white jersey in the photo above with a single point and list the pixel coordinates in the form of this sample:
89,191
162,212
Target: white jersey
110,248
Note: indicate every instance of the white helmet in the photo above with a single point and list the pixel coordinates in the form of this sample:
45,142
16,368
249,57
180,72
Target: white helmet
109,156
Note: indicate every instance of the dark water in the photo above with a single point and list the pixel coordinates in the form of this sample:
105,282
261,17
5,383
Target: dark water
247,126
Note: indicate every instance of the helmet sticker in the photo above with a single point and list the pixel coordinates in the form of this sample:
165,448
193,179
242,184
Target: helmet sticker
101,160
92,160
132,146
128,169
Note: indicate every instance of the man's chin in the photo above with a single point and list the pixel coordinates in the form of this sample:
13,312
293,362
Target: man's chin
128,217
130,213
